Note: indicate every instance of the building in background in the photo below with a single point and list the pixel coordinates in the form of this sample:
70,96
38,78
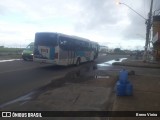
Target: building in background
103,49
156,38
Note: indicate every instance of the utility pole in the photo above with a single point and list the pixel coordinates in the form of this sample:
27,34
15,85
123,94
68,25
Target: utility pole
148,27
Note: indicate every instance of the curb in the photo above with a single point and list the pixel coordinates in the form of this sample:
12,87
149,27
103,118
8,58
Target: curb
133,65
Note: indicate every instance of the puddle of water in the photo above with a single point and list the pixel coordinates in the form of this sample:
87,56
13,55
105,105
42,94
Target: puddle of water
106,65
109,63
9,60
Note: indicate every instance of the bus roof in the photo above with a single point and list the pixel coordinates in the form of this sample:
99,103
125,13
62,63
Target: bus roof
69,36
74,37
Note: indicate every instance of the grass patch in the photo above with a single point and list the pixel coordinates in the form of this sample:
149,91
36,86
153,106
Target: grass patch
13,56
11,49
10,53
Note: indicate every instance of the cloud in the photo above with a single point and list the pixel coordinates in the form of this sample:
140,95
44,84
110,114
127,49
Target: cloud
137,28
3,10
98,14
99,20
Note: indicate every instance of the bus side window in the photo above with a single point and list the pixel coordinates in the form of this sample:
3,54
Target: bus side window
67,43
90,46
87,46
77,45
63,43
71,45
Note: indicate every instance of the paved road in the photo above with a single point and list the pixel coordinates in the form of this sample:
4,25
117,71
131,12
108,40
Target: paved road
20,77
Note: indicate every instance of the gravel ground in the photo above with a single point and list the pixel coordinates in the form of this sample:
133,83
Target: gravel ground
12,56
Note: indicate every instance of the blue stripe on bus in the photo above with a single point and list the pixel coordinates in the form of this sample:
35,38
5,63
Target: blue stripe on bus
52,52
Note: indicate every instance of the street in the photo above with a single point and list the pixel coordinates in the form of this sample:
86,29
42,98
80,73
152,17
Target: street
19,77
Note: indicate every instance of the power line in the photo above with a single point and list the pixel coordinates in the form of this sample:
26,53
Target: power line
154,13
133,10
144,7
148,28
156,5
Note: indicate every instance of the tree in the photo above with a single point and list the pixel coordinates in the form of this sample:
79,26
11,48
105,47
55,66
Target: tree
117,50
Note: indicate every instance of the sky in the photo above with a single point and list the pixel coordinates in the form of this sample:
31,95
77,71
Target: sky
102,21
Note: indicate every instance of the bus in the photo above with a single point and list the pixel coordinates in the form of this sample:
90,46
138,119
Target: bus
61,49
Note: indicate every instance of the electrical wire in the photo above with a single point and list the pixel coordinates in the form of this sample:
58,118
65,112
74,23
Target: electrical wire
157,3
156,7
156,11
144,8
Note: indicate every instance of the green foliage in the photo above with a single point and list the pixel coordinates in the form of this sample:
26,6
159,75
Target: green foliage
11,49
117,50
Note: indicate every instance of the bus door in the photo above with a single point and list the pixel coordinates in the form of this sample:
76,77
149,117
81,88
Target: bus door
71,57
71,51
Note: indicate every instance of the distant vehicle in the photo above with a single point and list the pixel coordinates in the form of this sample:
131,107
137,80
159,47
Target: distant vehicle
27,53
61,49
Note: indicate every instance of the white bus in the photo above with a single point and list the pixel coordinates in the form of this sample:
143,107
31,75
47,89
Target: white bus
61,49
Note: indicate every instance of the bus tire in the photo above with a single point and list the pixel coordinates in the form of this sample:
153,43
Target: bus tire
78,62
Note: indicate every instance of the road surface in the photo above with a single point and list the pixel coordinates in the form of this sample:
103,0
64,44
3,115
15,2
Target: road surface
19,77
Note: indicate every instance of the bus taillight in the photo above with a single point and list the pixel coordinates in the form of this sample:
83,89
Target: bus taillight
56,55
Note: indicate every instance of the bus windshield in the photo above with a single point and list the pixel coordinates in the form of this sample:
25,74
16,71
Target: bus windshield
46,39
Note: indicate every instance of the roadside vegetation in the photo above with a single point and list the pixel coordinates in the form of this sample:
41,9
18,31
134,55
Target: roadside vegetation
14,50
10,53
